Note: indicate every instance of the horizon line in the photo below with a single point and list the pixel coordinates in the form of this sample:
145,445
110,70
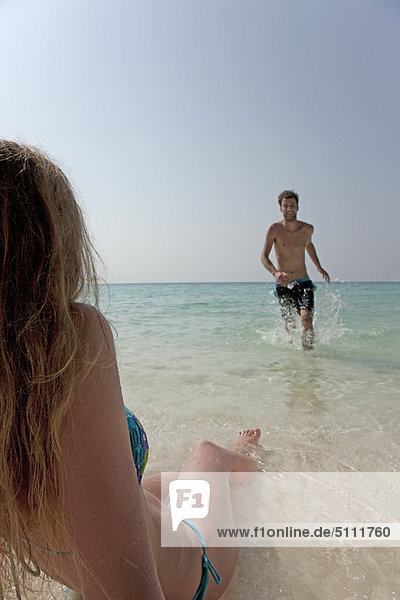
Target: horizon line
228,282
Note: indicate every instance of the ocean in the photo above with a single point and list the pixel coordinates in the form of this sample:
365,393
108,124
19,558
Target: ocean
205,360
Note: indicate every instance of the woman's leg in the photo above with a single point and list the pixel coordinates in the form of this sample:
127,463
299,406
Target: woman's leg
205,453
180,568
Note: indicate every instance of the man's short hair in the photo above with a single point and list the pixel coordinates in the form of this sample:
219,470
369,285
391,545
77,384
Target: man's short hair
288,194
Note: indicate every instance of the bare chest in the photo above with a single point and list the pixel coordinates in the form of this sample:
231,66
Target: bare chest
289,241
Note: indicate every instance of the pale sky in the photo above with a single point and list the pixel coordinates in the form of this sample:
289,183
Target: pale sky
180,121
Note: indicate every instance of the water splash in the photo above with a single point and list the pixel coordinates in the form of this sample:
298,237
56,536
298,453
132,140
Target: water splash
328,324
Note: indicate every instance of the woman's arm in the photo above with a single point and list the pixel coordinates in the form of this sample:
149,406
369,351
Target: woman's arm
107,507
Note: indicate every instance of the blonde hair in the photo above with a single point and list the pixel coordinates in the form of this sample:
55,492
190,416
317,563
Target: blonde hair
46,263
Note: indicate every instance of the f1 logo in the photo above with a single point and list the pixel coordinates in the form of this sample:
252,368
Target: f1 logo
189,499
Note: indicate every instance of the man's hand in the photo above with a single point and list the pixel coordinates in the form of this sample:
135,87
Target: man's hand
313,255
282,278
325,275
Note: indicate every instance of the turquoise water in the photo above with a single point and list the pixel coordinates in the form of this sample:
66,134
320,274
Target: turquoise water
206,360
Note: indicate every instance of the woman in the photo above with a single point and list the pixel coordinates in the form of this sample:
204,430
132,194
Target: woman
72,502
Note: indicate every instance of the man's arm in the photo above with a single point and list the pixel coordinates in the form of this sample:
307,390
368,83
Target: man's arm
313,255
281,277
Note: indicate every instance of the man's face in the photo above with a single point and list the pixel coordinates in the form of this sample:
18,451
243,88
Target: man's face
289,209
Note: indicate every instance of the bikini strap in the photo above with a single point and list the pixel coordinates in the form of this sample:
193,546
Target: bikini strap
207,565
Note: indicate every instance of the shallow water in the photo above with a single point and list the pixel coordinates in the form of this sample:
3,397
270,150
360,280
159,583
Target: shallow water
216,358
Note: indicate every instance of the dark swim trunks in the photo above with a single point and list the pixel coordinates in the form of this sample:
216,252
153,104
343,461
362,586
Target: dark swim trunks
297,296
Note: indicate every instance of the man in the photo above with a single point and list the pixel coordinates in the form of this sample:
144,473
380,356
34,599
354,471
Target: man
294,288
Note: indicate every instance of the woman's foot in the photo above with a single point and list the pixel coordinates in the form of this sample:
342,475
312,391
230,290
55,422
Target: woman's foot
246,437
246,447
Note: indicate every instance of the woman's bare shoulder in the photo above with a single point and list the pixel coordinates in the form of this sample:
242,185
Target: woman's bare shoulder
93,327
89,314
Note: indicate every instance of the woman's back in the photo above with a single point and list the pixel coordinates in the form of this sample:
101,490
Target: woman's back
99,466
